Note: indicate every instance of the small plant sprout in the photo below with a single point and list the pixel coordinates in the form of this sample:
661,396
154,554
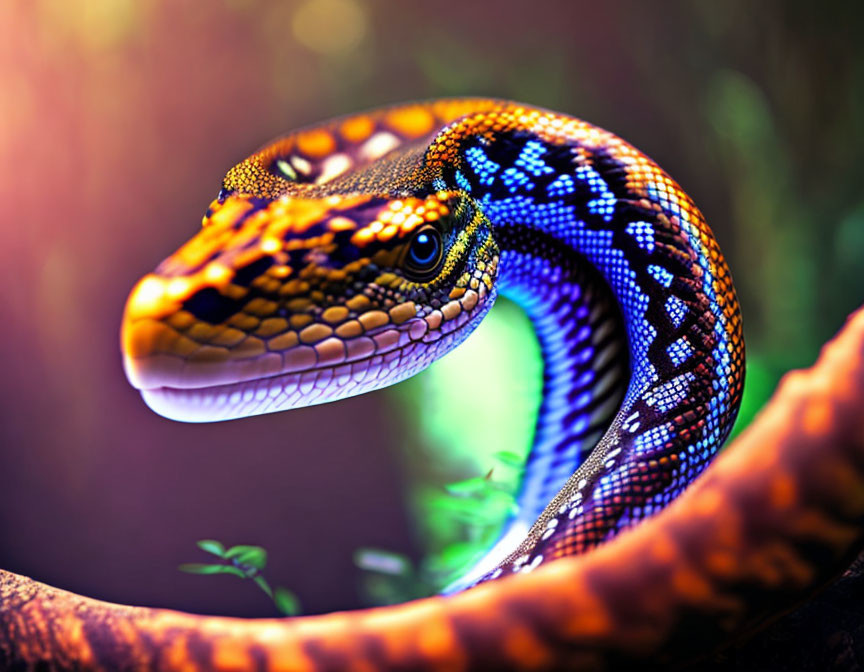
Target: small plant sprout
509,459
246,562
475,508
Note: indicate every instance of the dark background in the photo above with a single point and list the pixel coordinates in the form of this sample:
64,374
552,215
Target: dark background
117,121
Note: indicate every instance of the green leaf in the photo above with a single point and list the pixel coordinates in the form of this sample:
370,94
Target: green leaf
477,518
468,487
509,459
252,556
384,562
286,601
453,558
212,546
447,505
200,568
499,504
263,585
472,511
458,554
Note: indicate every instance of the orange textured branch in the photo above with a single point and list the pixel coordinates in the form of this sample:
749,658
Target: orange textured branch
779,513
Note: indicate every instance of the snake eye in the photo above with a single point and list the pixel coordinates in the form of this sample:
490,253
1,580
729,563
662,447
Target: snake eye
425,251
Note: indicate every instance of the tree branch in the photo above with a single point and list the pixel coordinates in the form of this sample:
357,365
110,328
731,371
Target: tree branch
777,515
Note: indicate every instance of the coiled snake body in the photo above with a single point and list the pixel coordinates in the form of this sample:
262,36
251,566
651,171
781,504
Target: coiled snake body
350,255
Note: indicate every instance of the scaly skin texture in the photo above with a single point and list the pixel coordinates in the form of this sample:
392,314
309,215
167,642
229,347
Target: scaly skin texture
780,512
303,287
350,255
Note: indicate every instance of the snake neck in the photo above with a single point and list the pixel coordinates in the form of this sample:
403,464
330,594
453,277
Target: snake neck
583,345
557,198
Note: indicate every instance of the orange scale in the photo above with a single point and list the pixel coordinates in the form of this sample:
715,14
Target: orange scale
341,224
412,122
362,237
316,143
357,129
387,233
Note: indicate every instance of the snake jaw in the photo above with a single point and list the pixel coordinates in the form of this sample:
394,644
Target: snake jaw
304,375
377,359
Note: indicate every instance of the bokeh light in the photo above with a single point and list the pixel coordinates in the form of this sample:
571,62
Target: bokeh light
330,26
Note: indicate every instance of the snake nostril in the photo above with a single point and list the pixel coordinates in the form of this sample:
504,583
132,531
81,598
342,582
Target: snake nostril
245,275
209,305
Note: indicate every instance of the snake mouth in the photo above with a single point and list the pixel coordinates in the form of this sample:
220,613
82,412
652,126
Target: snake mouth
228,401
188,390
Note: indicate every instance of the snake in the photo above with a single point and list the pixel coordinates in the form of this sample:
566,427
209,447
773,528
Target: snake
350,255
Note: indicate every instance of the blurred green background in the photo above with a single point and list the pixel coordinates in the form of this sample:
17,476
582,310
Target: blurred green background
117,121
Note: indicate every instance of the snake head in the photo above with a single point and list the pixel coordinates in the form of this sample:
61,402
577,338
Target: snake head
289,301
